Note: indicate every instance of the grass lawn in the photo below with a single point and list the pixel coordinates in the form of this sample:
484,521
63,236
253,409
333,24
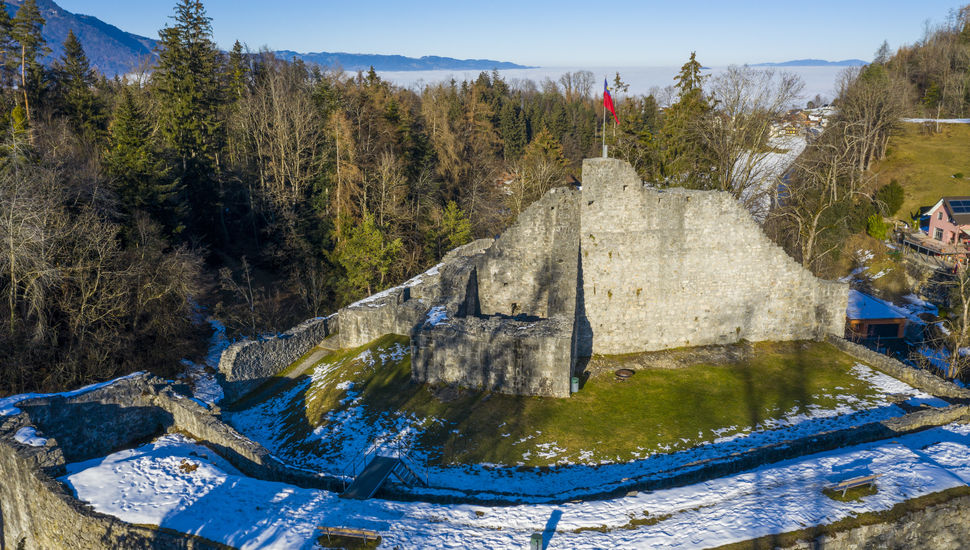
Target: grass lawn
924,164
656,410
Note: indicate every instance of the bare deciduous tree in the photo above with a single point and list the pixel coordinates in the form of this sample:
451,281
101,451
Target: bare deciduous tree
737,131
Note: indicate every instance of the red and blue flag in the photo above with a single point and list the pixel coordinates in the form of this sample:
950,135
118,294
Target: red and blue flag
608,101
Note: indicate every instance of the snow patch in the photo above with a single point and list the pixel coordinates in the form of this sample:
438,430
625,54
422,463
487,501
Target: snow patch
28,436
436,316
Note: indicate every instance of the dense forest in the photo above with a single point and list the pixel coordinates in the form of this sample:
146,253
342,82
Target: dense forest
263,191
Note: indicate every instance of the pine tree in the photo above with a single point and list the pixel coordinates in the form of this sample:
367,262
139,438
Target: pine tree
368,255
187,79
26,32
684,160
135,168
238,72
689,79
455,226
9,52
76,80
513,130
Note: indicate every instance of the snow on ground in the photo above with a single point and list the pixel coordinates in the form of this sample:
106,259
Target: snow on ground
767,172
436,316
941,120
358,432
205,387
917,305
28,436
179,484
350,432
8,408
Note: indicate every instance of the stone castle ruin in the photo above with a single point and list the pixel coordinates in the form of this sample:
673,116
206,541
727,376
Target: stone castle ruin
614,267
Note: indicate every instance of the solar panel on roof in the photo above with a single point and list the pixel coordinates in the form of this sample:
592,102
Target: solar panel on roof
960,203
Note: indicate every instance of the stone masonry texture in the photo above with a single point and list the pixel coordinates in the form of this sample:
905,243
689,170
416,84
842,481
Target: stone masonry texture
245,365
672,268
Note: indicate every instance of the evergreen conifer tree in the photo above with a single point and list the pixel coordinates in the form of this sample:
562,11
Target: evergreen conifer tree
684,161
26,32
9,54
513,129
187,80
76,80
137,171
367,255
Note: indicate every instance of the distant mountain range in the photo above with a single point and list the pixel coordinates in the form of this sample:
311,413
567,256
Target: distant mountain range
360,62
113,51
815,63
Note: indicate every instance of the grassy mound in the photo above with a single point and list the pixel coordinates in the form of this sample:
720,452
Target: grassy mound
925,165
676,400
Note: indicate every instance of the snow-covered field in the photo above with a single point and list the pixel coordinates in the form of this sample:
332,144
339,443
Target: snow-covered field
348,432
179,484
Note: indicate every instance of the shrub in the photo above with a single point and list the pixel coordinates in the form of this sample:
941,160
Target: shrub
890,198
877,227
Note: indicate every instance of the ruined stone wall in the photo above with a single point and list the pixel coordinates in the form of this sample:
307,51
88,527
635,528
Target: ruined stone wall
496,354
38,513
245,365
917,378
398,310
940,527
531,267
671,268
512,331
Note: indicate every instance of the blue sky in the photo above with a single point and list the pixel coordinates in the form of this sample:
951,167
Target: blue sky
553,33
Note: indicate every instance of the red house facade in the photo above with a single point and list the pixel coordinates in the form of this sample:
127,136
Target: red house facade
949,220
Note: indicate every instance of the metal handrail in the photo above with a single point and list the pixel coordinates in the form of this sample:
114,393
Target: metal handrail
394,449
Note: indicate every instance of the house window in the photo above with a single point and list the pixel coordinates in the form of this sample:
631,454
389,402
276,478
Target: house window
938,234
939,215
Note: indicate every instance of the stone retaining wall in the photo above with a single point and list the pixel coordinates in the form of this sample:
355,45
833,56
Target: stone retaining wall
917,378
939,527
37,512
245,365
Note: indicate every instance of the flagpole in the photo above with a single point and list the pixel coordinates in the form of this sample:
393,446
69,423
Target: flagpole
604,117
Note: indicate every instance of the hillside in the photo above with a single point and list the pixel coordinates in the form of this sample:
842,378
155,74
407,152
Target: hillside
925,164
111,50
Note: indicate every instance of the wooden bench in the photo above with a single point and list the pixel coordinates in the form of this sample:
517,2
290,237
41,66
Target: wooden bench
852,483
364,534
